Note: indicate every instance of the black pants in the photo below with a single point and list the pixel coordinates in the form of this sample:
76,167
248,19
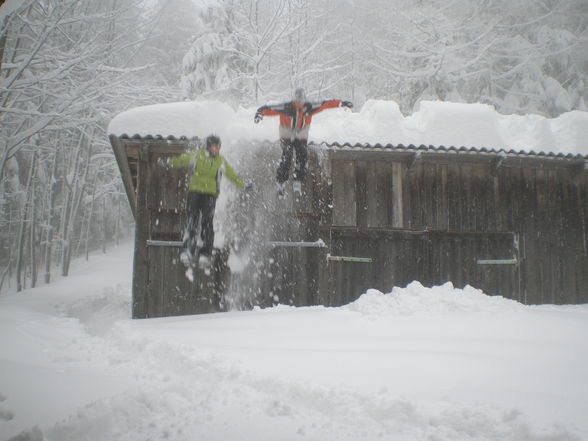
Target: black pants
289,147
199,207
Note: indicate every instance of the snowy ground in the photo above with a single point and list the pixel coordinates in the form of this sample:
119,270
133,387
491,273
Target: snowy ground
414,364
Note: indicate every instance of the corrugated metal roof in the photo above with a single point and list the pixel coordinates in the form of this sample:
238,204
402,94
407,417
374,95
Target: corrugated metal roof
399,148
452,149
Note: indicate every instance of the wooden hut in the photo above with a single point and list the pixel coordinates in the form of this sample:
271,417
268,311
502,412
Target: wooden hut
371,216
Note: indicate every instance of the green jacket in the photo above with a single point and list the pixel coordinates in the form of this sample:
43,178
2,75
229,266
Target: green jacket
207,171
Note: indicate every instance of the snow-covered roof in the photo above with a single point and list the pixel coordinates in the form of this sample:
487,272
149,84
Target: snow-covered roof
376,123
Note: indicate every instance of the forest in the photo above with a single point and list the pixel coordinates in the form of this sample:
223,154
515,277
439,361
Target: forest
67,67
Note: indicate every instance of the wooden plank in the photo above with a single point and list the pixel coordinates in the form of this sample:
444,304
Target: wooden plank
429,176
398,220
125,172
361,193
140,260
379,193
443,203
453,191
344,193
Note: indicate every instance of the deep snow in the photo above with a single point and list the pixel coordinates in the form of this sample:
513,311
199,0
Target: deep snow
414,364
377,121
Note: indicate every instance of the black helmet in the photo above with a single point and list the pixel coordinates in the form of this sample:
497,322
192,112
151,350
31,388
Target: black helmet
212,140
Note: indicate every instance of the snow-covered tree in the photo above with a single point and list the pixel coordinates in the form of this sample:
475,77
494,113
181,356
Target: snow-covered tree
208,64
63,62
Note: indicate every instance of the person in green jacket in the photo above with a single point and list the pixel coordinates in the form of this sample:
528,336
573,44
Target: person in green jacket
207,166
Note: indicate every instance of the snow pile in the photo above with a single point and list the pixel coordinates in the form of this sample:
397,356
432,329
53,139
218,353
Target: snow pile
434,123
416,299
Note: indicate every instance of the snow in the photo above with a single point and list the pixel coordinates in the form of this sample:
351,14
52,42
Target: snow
417,363
377,121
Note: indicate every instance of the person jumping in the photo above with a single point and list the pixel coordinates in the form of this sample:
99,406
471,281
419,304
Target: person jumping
295,118
207,167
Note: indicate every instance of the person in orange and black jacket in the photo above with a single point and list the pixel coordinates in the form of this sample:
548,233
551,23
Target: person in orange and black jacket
295,118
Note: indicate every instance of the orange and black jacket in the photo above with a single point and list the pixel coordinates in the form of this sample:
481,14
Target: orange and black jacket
295,121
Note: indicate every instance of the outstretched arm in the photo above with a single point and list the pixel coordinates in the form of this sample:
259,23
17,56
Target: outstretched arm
328,104
181,161
274,110
232,176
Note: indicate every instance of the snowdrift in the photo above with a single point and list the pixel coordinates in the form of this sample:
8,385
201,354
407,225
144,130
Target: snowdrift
434,123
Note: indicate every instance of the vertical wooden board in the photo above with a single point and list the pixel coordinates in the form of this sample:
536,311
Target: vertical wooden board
497,222
483,200
382,270
428,195
435,245
396,208
503,200
415,189
458,263
581,280
410,197
169,301
361,193
154,283
468,209
534,252
375,200
463,191
351,276
402,260
407,202
452,192
582,260
379,194
444,242
301,278
177,287
344,193
140,260
443,203
312,265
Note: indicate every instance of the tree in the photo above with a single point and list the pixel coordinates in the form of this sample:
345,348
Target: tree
63,69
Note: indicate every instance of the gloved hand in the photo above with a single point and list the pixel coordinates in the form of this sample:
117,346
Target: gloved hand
347,104
258,116
162,161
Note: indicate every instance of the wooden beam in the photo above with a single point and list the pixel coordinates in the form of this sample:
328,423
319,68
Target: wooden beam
125,172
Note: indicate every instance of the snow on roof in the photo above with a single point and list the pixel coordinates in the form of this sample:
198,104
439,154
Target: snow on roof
435,123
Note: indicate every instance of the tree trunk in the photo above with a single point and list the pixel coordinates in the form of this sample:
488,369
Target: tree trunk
50,216
21,233
33,241
90,215
104,223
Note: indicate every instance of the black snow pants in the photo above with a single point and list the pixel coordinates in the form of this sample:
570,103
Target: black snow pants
199,207
289,147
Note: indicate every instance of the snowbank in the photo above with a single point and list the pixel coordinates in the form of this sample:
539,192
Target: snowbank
416,299
435,123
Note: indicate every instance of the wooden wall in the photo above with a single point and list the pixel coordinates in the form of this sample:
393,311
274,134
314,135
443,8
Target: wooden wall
435,215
